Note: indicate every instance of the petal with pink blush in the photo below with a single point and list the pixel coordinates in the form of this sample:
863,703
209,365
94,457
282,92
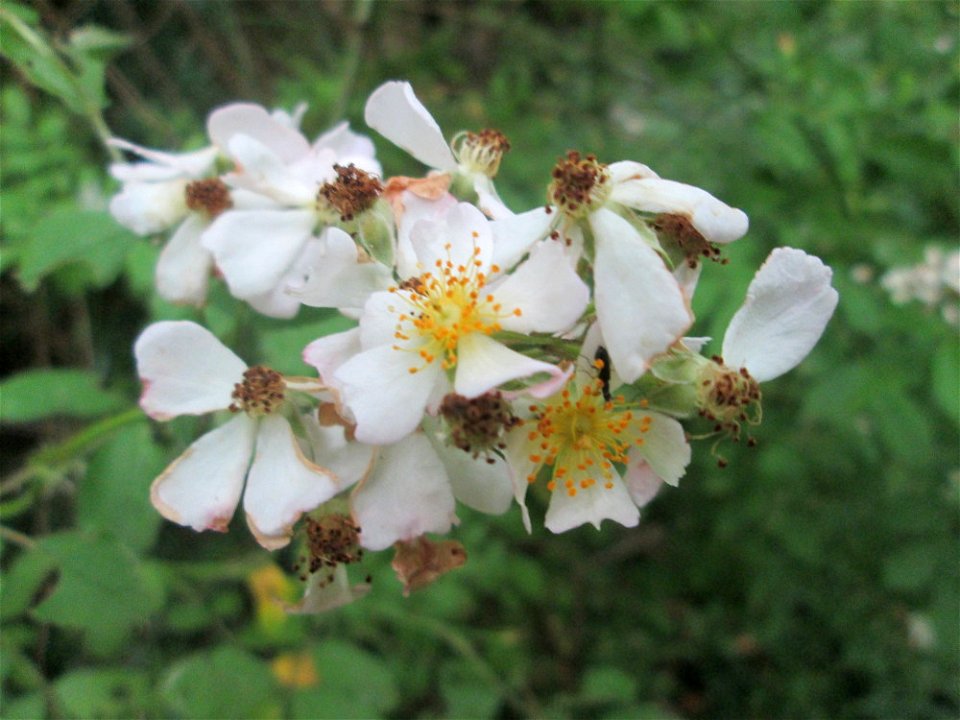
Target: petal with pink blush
185,370
396,113
788,305
201,488
282,484
407,494
642,482
665,447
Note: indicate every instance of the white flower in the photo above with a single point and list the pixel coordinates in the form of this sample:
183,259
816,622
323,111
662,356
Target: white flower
260,251
394,111
185,370
440,322
579,438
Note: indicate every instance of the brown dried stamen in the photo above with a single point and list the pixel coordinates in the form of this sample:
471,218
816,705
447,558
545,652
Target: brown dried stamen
693,245
728,397
477,425
351,193
332,540
211,196
260,393
579,184
481,152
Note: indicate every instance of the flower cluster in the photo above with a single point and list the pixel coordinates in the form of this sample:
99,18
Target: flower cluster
495,355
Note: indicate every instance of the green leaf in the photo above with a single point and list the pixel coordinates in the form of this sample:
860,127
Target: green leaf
224,683
102,692
353,684
946,379
36,394
910,568
102,589
26,707
93,239
283,345
114,495
23,581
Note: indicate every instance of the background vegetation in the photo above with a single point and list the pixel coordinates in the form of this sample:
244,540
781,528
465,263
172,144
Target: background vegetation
816,576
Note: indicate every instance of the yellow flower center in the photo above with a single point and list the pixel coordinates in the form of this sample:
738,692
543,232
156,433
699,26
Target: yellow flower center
443,305
582,436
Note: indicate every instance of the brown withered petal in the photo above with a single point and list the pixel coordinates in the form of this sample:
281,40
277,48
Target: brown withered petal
420,562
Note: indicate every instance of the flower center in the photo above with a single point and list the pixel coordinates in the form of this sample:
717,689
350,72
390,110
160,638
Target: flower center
331,541
260,393
728,397
581,435
477,425
211,196
480,152
442,306
693,245
580,185
351,193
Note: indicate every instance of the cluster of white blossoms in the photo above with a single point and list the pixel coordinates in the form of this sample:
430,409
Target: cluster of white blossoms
495,354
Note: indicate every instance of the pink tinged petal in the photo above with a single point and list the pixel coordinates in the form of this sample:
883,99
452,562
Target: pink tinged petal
407,494
591,505
185,370
282,484
337,278
640,307
386,399
665,448
396,113
477,483
483,364
150,207
629,170
190,164
255,248
788,305
514,236
248,119
183,268
549,294
201,488
642,482
328,353
714,219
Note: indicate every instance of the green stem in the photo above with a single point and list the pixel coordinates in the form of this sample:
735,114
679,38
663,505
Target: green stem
85,440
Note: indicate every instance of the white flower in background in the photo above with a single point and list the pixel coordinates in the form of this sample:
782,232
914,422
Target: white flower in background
934,282
166,190
185,370
305,187
394,111
788,304
439,324
580,438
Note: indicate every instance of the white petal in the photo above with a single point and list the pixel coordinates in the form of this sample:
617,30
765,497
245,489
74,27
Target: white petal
549,294
416,208
282,484
349,147
488,200
642,482
322,595
513,236
185,370
477,483
788,305
396,113
387,400
226,122
407,494
254,248
591,505
483,364
628,170
520,466
150,207
263,171
183,268
378,321
201,487
714,219
640,307
462,237
328,353
278,302
349,460
338,279
665,448
189,164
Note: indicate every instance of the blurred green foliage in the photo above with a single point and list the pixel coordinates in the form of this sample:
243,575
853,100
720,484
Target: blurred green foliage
816,576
